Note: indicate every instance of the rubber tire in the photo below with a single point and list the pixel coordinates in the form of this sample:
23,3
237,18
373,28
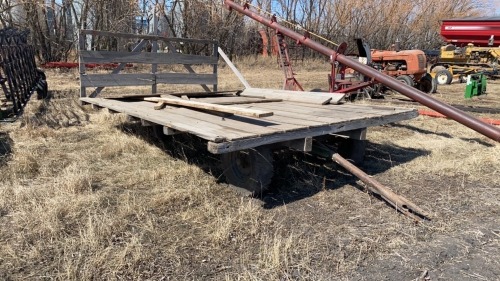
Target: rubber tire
437,68
249,171
406,79
444,77
427,84
352,150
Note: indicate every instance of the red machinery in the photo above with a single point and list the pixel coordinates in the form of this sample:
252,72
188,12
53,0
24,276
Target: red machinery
480,31
473,46
337,57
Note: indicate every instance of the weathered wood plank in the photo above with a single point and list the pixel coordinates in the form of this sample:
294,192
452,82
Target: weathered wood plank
238,132
186,78
146,37
234,100
116,80
336,97
329,111
144,110
117,70
143,79
144,57
81,66
233,68
224,147
214,107
311,117
305,97
237,127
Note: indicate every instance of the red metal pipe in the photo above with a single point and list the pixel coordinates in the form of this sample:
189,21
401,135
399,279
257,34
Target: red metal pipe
419,96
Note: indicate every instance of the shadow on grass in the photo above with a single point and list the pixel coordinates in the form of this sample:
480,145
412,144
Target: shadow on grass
58,109
420,130
183,146
5,148
296,175
299,175
478,141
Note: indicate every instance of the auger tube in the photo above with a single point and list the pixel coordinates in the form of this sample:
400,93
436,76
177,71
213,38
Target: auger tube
475,124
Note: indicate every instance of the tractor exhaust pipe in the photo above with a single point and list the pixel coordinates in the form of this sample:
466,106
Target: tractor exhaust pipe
488,130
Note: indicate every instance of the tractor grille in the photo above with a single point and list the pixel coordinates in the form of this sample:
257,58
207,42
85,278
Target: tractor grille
421,61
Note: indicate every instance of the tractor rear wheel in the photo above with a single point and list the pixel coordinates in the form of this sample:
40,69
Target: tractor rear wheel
406,79
249,171
444,77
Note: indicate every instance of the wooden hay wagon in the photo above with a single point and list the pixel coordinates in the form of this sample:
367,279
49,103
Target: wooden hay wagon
242,126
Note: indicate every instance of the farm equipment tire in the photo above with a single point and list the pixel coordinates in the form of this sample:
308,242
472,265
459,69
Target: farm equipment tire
444,77
353,150
406,79
437,68
249,171
427,84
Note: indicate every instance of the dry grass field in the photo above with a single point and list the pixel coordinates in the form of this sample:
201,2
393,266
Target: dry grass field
87,195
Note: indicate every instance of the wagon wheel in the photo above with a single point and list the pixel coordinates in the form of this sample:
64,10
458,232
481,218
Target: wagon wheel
352,149
249,171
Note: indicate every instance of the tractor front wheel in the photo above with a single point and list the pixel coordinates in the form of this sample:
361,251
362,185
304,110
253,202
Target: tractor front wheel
406,79
444,77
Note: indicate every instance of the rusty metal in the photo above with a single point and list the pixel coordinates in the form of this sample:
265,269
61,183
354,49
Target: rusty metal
290,82
400,203
419,96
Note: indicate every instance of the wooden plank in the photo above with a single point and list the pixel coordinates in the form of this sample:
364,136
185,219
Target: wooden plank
154,50
203,85
336,97
143,79
186,78
144,57
119,68
233,68
235,127
305,97
238,132
310,117
234,100
215,67
329,111
224,147
81,66
293,96
214,107
144,110
208,94
146,37
160,105
116,80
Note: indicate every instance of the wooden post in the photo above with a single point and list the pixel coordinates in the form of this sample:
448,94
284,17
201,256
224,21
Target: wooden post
81,45
215,54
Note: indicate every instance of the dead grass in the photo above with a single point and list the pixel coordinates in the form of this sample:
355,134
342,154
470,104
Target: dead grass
86,195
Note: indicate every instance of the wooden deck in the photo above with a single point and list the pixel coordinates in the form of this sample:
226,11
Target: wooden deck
290,120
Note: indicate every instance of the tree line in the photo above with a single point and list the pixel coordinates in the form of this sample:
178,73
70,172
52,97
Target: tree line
414,23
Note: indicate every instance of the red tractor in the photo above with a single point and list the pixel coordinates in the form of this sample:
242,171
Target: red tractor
407,66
